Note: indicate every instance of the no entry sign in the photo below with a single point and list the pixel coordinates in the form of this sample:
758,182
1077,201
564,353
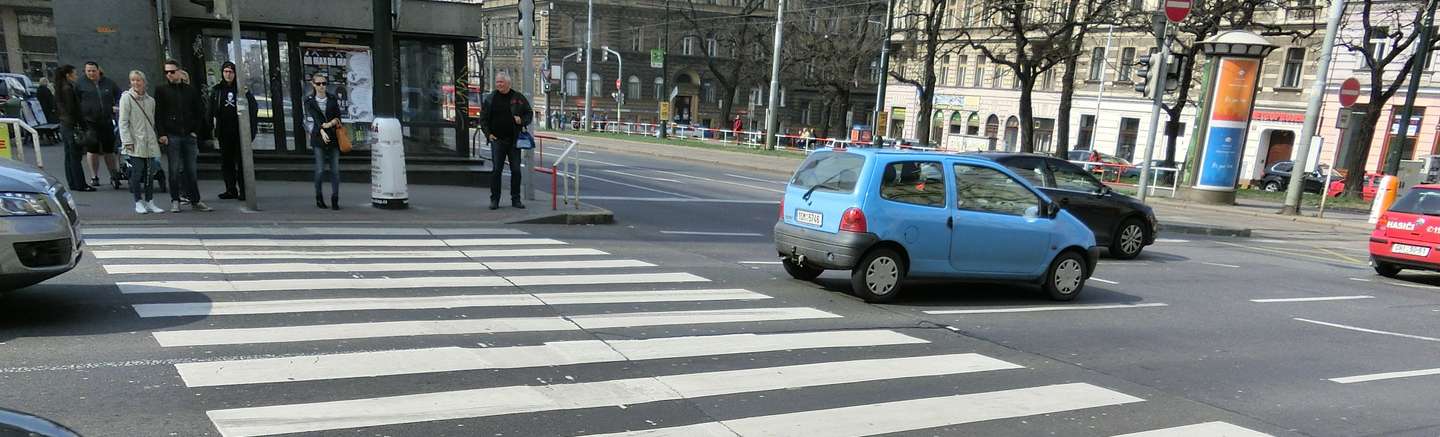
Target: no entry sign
1349,92
1177,10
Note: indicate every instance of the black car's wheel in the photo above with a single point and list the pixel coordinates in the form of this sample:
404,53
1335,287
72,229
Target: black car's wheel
798,271
1066,276
1385,269
1272,186
1129,240
878,276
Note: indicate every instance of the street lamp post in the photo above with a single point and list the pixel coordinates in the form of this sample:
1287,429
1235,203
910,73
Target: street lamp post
564,89
884,74
771,119
619,76
589,38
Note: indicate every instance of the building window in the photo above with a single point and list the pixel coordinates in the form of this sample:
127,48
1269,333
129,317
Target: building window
945,70
997,76
1097,64
596,89
1294,60
783,96
632,92
1127,64
572,84
637,40
805,112
875,71
979,72
687,46
1087,132
712,47
660,88
960,71
1047,80
1129,131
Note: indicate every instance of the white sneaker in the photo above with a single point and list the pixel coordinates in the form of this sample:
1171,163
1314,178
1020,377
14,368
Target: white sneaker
174,206
140,207
200,206
150,205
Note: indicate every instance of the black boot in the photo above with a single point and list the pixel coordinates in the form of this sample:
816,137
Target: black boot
335,202
320,201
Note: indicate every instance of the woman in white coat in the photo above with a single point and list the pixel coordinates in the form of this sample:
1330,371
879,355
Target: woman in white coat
137,134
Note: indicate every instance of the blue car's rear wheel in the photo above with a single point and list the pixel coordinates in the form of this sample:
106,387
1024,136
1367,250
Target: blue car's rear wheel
878,276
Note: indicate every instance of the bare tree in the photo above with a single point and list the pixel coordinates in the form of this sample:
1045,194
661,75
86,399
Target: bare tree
740,37
1031,38
1110,15
925,40
829,48
1383,34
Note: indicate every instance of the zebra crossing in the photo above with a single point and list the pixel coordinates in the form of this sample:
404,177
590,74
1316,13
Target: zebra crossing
559,329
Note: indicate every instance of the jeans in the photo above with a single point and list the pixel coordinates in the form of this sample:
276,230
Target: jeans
74,156
331,154
500,151
180,157
142,179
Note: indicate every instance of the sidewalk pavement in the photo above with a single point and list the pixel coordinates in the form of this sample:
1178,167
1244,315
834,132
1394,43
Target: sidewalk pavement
1246,218
289,202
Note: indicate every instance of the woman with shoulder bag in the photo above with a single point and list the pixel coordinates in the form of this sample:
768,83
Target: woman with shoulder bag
142,144
67,103
323,111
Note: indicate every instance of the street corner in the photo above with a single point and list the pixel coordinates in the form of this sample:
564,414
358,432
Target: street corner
574,214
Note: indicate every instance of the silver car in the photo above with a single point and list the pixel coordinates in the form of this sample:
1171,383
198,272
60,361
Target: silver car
39,230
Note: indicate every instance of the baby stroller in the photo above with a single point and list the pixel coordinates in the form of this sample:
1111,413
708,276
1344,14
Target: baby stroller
124,166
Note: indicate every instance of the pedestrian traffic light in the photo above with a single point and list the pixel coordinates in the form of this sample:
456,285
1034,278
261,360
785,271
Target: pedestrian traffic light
1173,66
1142,75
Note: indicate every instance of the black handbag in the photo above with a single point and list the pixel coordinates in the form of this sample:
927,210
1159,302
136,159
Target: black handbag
86,137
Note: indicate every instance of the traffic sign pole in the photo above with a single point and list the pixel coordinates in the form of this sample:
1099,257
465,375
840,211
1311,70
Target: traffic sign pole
1157,80
1312,115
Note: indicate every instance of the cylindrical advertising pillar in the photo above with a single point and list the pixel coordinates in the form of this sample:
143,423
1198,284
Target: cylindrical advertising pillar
388,188
1234,59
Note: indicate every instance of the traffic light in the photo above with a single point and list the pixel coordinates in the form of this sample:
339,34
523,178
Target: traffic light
1143,84
1173,66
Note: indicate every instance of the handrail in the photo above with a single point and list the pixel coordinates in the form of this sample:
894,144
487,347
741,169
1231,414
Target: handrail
570,160
34,138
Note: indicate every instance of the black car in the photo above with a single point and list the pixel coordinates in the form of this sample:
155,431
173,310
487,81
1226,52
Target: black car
1276,177
1119,222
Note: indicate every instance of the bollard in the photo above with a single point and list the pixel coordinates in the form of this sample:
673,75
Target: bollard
1384,197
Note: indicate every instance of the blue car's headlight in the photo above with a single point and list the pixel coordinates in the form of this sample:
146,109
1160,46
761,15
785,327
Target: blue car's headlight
14,204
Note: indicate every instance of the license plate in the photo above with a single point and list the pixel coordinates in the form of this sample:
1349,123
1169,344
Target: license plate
807,217
1410,250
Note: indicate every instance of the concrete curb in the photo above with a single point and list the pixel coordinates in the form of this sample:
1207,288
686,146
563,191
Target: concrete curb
585,215
1201,230
1269,216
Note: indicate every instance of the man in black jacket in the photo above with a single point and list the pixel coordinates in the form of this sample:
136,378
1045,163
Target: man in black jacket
503,115
99,103
179,120
226,119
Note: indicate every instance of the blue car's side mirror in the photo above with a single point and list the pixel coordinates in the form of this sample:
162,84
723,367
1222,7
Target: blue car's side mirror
18,423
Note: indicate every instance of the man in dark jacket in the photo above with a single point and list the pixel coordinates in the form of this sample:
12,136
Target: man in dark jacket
503,115
179,120
226,119
99,103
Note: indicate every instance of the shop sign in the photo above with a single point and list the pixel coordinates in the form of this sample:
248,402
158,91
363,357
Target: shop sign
1283,117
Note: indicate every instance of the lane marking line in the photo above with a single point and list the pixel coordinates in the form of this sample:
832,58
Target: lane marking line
1092,278
1208,429
1310,299
682,200
1047,308
193,309
1384,376
1287,252
1220,265
1371,331
636,176
721,234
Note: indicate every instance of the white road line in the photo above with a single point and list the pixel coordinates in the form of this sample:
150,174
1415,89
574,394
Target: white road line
1310,299
413,328
321,416
1372,331
1208,429
145,287
1267,241
450,359
907,415
1361,280
335,242
1047,308
450,232
512,253
1220,265
349,254
721,234
1092,278
736,176
721,181
1405,284
641,177
683,200
593,178
761,262
1383,376
430,302
1170,240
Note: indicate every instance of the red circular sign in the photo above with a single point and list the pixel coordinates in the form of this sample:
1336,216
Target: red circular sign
1177,10
1349,92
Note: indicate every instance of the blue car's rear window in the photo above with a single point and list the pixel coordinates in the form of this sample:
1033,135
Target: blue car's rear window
830,171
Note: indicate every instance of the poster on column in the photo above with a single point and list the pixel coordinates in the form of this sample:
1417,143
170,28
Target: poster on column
1232,100
348,69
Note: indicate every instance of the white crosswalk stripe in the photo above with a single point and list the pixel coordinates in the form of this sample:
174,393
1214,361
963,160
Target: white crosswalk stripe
308,296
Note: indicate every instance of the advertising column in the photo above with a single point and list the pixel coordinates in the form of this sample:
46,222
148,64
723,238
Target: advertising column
1235,58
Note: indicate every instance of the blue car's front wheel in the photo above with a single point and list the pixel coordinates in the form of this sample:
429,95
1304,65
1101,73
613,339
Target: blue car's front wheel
1066,277
878,276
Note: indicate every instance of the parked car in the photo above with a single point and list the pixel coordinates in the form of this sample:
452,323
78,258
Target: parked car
1119,222
1371,185
1276,177
41,237
1408,234
888,215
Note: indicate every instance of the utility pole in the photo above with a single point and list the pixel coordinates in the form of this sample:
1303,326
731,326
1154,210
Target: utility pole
527,87
665,73
242,110
1312,114
1158,76
884,75
619,76
588,117
1422,52
771,118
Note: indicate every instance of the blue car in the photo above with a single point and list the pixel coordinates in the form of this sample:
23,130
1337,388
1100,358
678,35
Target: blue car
887,215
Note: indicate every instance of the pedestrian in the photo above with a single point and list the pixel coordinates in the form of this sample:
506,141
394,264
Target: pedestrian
137,134
737,124
67,104
45,92
98,104
226,119
179,121
323,110
503,115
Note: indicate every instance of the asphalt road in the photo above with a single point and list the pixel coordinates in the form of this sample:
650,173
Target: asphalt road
331,331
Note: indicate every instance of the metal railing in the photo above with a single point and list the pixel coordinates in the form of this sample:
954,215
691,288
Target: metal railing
34,139
566,167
